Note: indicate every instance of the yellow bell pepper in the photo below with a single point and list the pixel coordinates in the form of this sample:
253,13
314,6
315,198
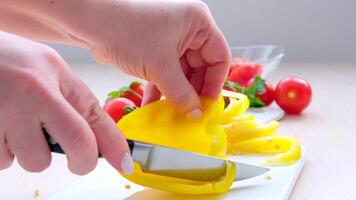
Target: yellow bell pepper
160,123
219,131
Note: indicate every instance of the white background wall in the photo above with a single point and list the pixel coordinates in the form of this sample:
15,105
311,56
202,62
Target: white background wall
310,30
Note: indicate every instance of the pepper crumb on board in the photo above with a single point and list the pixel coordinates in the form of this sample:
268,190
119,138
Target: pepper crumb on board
127,186
36,194
268,177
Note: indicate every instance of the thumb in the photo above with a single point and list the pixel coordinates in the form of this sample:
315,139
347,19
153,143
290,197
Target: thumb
175,86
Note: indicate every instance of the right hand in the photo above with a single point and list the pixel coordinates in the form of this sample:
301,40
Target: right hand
38,90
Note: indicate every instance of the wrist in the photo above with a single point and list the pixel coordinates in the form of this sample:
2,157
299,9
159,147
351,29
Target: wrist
90,24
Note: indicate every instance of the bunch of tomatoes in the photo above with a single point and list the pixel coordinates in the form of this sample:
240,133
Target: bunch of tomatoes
291,94
125,100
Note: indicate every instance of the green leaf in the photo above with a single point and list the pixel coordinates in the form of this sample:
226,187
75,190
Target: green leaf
117,93
114,94
234,85
127,109
256,102
258,85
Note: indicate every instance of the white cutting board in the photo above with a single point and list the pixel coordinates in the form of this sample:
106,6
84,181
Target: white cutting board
105,183
266,114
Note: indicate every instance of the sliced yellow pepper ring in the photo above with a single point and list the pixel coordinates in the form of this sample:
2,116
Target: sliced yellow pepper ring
160,123
271,144
239,119
288,157
246,136
182,185
244,117
232,128
237,132
238,104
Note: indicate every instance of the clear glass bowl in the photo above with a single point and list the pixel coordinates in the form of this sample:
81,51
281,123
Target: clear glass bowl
268,56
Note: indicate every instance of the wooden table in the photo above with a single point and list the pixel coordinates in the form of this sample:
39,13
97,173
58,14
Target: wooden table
327,129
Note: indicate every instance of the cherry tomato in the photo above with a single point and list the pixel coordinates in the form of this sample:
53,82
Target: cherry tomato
242,70
293,95
268,96
135,93
242,74
233,67
258,68
116,107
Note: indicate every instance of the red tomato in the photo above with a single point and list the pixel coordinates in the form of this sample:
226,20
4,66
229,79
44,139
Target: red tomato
136,95
258,68
233,67
242,70
116,107
268,96
293,95
242,74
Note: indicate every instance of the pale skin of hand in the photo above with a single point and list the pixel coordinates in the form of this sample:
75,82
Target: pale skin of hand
175,45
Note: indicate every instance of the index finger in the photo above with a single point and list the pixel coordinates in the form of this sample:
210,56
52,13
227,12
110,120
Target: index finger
216,54
111,142
73,133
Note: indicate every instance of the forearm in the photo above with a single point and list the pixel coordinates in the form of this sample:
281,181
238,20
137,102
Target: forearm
58,21
25,26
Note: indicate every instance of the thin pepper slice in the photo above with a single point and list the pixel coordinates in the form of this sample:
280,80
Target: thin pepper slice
182,185
246,136
289,157
271,144
249,130
238,104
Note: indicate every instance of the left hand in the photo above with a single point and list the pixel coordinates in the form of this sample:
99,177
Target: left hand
175,45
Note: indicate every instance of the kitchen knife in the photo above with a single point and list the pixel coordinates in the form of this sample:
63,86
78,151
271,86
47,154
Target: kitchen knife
177,163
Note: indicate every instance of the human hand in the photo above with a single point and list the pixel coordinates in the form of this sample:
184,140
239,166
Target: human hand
38,90
175,45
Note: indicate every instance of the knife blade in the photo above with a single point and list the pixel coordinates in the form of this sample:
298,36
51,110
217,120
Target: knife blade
178,163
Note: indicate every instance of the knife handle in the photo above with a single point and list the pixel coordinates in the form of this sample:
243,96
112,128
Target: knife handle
56,148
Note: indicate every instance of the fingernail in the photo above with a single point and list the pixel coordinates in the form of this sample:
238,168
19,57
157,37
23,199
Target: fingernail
194,114
127,164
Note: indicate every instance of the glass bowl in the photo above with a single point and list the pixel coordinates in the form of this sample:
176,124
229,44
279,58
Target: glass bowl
268,56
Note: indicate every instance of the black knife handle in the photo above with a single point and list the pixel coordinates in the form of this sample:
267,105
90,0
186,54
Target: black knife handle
56,148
